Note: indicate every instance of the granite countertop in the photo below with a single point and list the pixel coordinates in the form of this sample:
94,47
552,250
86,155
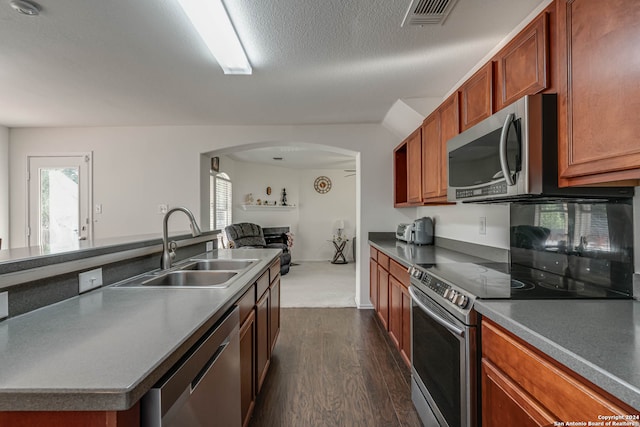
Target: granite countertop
598,339
104,349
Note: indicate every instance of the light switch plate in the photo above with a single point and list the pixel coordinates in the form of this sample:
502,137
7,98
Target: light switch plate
4,305
89,280
482,229
209,246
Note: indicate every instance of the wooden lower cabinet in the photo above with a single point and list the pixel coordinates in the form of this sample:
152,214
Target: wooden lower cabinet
395,311
383,296
373,283
522,386
274,311
263,341
247,367
129,418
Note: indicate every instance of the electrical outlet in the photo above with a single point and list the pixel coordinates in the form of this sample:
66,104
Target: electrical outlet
162,209
4,305
483,225
98,208
89,280
209,246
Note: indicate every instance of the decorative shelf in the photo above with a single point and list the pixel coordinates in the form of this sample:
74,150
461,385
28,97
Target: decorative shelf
267,208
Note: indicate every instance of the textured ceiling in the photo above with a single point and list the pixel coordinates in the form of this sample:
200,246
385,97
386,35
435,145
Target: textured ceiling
295,157
123,62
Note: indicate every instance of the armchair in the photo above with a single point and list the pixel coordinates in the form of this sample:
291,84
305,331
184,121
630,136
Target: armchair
250,235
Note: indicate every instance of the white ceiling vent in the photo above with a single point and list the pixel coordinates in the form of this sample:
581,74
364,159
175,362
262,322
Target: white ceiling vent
423,12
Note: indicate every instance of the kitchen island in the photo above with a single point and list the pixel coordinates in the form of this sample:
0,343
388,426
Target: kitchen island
103,350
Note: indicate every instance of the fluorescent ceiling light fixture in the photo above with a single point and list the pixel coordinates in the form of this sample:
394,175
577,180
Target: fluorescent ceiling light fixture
210,19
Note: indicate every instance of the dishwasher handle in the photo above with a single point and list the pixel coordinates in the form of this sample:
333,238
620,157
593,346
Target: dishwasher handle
203,372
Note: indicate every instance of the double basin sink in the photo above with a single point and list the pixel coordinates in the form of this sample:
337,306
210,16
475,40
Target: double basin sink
195,273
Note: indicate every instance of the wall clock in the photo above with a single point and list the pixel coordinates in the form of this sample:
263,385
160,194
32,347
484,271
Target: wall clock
322,184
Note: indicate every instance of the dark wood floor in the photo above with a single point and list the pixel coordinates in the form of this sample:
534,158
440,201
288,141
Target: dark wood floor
334,367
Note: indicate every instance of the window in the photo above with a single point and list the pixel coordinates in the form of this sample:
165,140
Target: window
220,201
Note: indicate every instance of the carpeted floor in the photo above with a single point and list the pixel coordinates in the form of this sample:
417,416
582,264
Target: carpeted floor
319,284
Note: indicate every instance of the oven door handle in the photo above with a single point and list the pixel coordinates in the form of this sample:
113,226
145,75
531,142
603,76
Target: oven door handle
432,314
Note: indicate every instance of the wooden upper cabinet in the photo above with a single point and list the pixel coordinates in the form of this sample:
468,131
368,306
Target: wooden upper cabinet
431,156
598,92
414,167
522,66
476,97
449,127
400,175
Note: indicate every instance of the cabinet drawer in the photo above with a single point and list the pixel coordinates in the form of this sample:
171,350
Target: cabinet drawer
383,261
262,284
274,270
563,392
246,303
400,272
373,253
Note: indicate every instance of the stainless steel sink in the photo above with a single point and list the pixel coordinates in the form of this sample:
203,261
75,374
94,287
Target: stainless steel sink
201,279
219,264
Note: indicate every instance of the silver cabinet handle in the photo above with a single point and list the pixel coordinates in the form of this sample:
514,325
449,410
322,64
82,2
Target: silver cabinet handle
449,326
504,161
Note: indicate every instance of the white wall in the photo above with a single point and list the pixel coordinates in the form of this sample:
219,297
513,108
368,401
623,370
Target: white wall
313,219
4,186
462,222
137,168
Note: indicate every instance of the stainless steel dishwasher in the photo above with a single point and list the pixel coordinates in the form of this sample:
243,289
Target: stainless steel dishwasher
203,389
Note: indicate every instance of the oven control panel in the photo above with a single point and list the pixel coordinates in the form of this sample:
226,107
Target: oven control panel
441,288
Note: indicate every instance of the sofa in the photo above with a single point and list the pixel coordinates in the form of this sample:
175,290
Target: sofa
248,235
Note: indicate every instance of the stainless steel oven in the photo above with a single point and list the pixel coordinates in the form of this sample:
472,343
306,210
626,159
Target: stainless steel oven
444,363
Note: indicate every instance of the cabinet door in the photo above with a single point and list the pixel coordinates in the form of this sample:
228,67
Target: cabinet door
522,66
449,127
431,156
476,97
373,283
274,311
504,403
247,367
405,349
263,347
414,167
400,175
383,296
599,94
395,311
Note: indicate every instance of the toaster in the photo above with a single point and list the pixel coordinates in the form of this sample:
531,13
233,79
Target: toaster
404,232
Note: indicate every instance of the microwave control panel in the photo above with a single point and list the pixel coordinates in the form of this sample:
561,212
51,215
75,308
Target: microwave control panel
488,190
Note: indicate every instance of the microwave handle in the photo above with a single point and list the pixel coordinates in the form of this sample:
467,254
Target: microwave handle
504,161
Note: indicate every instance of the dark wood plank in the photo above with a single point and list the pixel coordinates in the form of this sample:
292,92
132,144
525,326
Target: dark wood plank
334,366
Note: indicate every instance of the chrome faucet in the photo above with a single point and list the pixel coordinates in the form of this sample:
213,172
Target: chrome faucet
169,247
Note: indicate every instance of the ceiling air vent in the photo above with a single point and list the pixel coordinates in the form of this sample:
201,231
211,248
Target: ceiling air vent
424,12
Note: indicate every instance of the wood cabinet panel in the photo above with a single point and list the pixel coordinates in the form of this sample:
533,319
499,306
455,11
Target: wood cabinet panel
504,403
522,66
476,97
449,127
263,345
599,91
129,418
399,271
274,312
414,167
405,347
246,303
383,261
558,389
373,283
274,270
395,311
383,296
431,156
247,367
262,284
373,253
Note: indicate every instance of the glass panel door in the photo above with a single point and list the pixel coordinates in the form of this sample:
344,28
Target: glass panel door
59,201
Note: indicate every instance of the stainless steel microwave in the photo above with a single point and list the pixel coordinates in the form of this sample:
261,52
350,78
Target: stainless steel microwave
513,156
